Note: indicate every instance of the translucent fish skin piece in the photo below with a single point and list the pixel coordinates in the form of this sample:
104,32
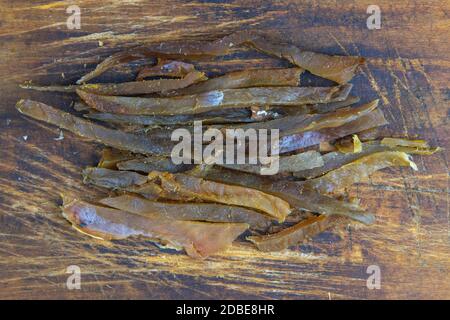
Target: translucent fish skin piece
215,100
294,235
210,212
289,77
198,239
143,87
198,188
358,171
110,137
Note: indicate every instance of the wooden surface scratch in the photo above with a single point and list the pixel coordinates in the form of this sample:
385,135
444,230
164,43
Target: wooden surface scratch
408,67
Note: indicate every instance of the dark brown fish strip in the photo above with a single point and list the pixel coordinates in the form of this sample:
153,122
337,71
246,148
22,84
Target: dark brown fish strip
289,77
337,68
143,87
215,100
210,117
357,171
149,164
313,122
167,68
114,138
210,212
293,235
298,197
198,188
306,139
334,160
112,178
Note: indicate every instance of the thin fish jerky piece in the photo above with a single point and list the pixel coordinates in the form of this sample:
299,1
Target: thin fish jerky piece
316,108
113,138
349,144
198,239
54,88
306,139
210,212
301,123
301,161
358,171
152,191
163,50
294,235
166,68
218,192
112,178
127,88
410,146
110,157
340,69
149,164
210,117
80,106
299,198
215,100
143,87
289,77
334,160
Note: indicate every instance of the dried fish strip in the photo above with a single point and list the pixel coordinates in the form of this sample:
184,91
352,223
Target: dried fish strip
289,77
210,117
358,171
222,193
301,123
334,160
111,178
198,239
149,164
87,129
166,68
210,212
299,198
301,161
293,235
215,100
306,139
143,87
337,68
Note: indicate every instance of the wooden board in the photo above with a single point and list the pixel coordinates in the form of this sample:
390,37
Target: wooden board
408,66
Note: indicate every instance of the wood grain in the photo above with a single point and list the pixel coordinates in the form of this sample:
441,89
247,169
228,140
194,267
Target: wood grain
408,67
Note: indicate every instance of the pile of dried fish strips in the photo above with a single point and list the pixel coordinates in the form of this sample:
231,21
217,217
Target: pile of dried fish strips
327,142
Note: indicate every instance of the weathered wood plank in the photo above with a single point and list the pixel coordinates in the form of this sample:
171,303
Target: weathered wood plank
408,68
